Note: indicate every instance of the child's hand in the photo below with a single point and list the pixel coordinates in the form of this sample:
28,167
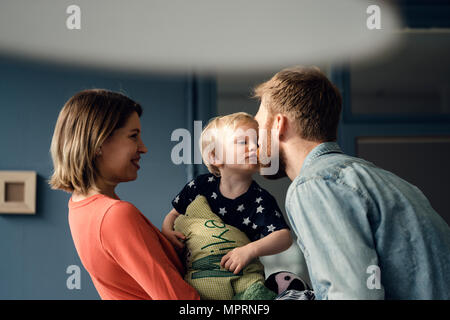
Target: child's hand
237,259
176,238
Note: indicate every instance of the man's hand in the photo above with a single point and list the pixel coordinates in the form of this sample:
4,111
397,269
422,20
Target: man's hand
237,259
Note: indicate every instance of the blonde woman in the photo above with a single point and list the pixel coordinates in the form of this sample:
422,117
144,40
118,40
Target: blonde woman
96,145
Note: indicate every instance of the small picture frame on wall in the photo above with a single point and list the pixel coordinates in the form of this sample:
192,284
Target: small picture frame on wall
17,192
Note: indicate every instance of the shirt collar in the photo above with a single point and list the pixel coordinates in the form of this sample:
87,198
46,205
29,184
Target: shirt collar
321,149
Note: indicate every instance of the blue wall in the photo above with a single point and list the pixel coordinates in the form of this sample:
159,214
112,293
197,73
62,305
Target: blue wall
36,250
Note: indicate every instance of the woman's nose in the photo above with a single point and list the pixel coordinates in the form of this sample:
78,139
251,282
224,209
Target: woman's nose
142,148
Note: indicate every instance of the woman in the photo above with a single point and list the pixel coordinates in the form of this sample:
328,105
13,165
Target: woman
97,145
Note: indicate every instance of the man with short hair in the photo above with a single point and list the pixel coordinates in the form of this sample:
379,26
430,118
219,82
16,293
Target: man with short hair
365,233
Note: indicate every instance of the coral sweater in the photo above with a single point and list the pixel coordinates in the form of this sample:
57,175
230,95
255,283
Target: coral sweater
126,256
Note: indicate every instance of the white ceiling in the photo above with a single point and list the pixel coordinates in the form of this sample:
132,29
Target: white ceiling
203,35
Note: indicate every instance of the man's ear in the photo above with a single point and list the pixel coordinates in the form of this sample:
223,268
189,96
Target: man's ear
281,124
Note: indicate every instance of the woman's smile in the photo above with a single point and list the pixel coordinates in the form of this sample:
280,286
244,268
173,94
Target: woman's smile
135,162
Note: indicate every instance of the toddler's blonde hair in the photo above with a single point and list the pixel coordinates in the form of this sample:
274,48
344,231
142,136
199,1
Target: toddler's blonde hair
213,131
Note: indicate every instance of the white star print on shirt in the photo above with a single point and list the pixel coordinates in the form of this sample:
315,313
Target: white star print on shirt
191,184
176,199
241,208
210,179
246,221
271,228
277,214
214,195
259,209
222,211
254,226
258,200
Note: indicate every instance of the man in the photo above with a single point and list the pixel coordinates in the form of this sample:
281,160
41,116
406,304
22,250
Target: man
365,233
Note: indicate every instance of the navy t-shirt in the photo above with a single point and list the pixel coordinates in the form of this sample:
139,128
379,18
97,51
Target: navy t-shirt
256,212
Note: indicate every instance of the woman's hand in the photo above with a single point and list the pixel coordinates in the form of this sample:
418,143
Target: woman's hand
176,238
238,258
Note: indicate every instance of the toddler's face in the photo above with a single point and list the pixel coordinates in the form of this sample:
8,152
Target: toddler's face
240,148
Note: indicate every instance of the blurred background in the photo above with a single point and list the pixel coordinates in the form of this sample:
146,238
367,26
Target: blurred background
192,60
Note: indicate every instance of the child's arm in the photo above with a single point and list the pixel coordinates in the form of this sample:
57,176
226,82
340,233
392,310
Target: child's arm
274,243
167,230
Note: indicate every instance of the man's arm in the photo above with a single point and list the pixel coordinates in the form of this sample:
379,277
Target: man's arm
332,224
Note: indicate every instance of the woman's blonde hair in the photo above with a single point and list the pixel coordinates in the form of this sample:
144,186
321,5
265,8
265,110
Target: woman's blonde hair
84,123
213,132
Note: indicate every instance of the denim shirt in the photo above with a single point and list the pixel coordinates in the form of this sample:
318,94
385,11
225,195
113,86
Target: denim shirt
366,233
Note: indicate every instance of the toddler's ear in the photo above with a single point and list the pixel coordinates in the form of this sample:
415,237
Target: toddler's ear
213,159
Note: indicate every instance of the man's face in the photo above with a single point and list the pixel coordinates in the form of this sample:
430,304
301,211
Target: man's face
271,156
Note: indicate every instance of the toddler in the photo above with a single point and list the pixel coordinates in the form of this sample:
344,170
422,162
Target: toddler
229,147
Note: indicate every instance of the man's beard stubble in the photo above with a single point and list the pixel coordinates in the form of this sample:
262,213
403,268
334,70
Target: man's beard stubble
281,172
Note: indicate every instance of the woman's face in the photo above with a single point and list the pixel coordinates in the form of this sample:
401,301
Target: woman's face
120,153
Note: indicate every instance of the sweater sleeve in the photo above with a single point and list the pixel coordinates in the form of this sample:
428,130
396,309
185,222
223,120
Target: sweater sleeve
128,237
